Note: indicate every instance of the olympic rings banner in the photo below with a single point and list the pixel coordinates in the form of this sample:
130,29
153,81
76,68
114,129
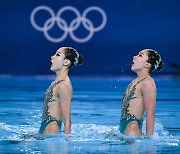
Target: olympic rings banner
62,24
107,33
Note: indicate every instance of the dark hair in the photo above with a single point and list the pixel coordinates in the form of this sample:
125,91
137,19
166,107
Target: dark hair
155,60
73,56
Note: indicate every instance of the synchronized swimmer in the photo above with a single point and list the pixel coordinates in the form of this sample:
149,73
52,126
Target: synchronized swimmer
57,100
140,95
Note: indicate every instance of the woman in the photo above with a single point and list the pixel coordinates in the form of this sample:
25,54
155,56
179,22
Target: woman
57,100
140,95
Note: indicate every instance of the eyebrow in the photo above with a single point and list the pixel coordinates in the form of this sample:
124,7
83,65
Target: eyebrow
59,52
141,53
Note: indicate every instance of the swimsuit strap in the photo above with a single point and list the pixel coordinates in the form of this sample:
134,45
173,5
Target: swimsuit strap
139,81
131,89
57,82
130,85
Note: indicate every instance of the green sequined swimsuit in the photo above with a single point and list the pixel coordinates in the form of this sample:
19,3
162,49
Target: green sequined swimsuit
126,117
46,117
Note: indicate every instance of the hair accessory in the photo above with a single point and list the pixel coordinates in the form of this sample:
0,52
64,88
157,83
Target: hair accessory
157,63
76,59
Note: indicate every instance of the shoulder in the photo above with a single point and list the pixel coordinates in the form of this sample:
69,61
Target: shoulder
148,83
64,86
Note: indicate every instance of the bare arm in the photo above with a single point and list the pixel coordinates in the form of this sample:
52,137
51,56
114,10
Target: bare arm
149,99
65,102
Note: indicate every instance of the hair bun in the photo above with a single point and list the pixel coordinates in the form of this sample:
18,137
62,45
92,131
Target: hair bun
81,59
161,66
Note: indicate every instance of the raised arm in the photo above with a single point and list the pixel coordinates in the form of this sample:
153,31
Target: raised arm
149,99
64,93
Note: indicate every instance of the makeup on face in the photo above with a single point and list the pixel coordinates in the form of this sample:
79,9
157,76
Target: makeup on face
58,53
143,54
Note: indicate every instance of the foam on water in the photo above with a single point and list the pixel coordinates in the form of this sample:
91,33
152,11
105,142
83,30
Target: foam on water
85,133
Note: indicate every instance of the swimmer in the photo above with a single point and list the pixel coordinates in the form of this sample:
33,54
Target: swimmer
140,95
57,99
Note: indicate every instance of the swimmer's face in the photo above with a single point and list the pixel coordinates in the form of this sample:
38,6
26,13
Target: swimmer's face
58,60
140,61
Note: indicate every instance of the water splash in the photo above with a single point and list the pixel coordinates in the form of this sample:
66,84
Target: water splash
161,135
86,133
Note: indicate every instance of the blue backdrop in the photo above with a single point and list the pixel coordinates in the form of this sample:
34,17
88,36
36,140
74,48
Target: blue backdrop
107,33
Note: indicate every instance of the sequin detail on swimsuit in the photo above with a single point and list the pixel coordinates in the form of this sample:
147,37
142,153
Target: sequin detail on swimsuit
48,98
125,116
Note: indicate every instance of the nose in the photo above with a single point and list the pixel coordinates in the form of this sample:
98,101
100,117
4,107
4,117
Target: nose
134,57
52,56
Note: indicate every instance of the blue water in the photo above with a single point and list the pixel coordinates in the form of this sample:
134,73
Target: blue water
95,116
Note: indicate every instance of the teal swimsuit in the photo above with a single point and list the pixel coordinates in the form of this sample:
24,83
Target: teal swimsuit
46,117
126,117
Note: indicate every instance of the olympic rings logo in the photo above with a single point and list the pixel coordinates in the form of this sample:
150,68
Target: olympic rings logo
74,24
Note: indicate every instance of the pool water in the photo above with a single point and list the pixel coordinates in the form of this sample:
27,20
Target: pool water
95,117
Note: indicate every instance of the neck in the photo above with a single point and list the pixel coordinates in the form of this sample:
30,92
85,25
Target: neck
141,75
61,75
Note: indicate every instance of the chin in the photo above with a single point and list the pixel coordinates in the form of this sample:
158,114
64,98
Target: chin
132,69
52,69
